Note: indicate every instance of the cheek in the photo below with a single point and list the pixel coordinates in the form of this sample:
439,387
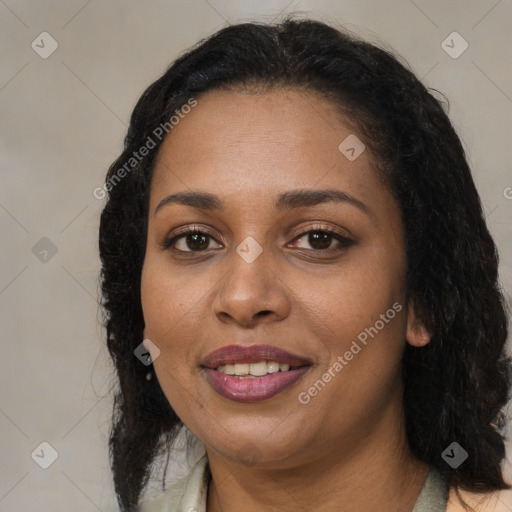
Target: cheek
169,296
348,299
358,315
172,303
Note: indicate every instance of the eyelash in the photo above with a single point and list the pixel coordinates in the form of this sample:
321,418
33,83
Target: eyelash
343,240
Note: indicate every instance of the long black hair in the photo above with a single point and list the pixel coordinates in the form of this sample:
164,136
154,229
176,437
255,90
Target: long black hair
455,387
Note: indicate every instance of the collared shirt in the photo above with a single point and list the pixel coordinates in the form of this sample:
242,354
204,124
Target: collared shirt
189,494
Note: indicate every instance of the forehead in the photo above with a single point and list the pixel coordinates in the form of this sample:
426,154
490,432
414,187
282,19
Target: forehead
262,144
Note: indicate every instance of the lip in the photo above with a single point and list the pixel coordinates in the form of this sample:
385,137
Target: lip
246,389
232,354
243,389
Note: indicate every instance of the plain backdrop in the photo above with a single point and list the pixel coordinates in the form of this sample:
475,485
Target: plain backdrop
63,117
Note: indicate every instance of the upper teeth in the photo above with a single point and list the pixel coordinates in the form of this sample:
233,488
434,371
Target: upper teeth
254,369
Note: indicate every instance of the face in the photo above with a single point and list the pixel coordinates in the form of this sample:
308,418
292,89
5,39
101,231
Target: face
313,280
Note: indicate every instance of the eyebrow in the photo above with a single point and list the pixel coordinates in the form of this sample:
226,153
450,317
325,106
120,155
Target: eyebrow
299,198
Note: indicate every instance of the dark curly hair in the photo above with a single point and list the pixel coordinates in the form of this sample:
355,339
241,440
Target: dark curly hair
455,388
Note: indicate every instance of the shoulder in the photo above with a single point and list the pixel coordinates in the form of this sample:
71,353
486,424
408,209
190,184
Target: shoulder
188,493
499,501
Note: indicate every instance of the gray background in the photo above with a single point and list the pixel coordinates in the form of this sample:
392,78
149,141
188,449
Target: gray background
63,120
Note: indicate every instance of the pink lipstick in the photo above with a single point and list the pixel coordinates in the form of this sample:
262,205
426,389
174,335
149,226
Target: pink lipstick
253,373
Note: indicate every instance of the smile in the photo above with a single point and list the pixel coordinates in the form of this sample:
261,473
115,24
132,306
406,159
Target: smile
253,369
255,373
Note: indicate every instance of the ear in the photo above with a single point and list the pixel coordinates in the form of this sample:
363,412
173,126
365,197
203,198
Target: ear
416,334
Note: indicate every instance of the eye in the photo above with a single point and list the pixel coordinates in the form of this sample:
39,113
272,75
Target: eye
190,240
321,239
196,240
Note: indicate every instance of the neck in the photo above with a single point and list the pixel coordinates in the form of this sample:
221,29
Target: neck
372,471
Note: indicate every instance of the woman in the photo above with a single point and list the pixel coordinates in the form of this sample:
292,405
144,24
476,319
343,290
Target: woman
293,230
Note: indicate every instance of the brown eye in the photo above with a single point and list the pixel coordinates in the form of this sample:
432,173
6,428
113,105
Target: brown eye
321,240
196,241
192,240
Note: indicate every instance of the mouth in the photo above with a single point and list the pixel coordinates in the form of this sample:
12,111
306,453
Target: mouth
254,373
253,370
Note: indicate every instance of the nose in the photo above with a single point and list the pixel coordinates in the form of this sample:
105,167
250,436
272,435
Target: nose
251,293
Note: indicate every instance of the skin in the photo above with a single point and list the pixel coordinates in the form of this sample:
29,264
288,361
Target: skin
348,444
